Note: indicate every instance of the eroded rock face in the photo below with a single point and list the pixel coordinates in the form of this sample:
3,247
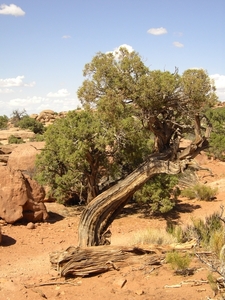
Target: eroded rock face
20,197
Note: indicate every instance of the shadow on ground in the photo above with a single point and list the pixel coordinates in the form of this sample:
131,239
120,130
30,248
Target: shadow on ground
7,241
144,211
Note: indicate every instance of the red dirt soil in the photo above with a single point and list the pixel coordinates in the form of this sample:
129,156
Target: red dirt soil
26,273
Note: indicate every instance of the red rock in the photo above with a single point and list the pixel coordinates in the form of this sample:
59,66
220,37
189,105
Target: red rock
20,197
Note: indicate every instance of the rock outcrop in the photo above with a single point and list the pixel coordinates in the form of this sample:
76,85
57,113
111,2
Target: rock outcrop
48,116
20,197
23,134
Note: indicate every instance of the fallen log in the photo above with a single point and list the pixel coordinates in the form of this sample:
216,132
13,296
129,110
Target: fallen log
76,261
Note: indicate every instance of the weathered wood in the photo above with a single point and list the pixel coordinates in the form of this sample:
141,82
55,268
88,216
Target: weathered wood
102,210
76,261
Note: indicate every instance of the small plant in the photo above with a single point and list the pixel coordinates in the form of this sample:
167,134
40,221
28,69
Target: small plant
12,139
200,191
178,261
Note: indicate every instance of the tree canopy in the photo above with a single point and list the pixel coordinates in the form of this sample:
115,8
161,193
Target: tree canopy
127,109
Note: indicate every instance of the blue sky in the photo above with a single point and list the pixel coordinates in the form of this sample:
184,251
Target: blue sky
44,44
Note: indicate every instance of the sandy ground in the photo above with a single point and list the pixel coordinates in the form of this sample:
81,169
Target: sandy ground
26,273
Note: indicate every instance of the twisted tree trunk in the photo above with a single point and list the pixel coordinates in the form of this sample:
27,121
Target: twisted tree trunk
102,210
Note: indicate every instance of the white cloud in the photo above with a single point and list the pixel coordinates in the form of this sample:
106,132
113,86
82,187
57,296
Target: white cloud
6,91
178,44
17,81
157,31
220,85
128,47
115,52
60,94
66,37
11,9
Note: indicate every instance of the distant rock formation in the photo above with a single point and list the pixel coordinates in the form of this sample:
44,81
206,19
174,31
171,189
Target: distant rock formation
48,116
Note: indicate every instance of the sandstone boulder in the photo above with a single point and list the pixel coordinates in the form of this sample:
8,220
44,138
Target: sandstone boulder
24,155
20,197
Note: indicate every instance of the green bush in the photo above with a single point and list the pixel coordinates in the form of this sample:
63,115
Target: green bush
12,139
217,137
158,192
200,191
178,261
29,123
3,122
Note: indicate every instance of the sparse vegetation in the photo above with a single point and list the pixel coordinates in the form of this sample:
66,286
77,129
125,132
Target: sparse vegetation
178,261
12,139
200,192
153,236
3,122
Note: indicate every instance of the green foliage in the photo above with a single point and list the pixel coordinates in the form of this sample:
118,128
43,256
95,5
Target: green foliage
12,139
217,138
200,191
81,153
125,106
157,192
199,88
38,138
30,123
3,122
178,261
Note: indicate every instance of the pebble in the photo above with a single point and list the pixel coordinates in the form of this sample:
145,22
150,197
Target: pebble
30,225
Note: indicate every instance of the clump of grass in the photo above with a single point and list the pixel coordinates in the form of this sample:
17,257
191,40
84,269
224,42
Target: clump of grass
153,236
200,192
212,282
178,261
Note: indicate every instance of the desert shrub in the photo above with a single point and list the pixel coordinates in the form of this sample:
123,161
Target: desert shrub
3,122
200,191
217,241
158,193
208,232
30,123
153,236
12,139
178,261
